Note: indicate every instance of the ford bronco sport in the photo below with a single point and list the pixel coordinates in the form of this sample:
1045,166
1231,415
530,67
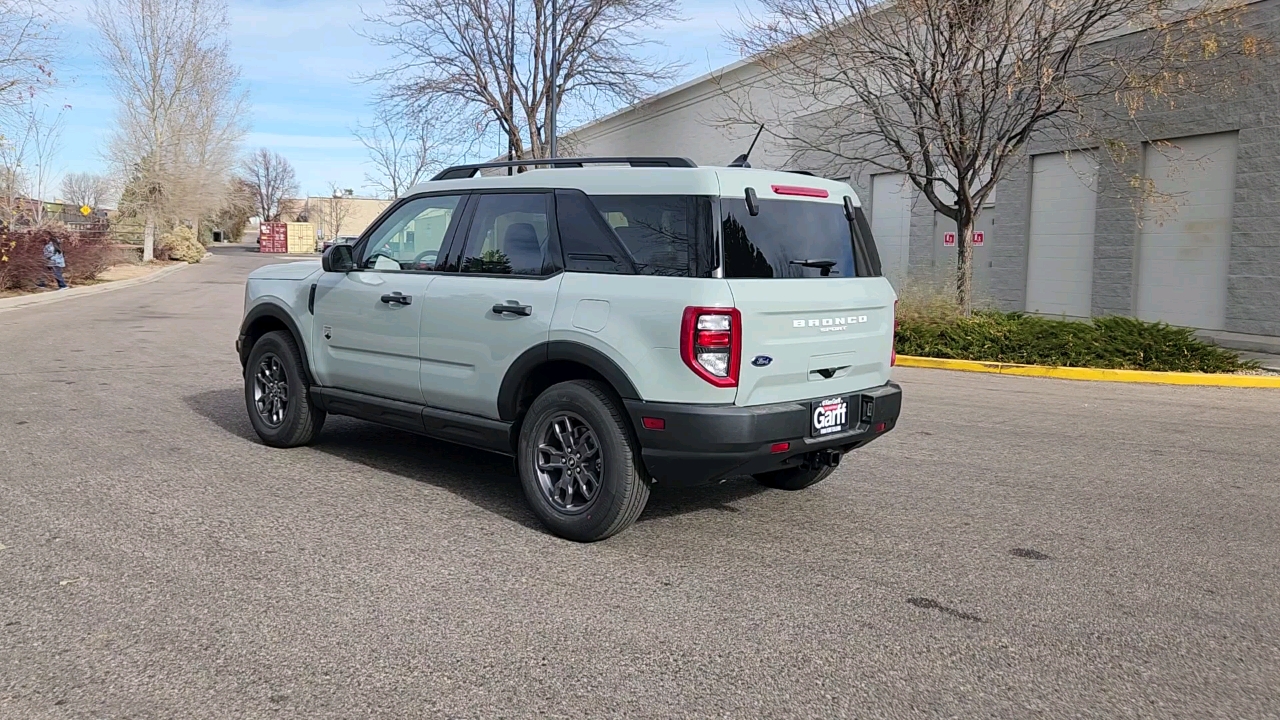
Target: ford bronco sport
646,321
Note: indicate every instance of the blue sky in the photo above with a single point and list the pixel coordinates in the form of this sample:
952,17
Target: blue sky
300,61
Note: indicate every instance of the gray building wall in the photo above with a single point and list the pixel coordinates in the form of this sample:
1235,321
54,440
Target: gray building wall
686,121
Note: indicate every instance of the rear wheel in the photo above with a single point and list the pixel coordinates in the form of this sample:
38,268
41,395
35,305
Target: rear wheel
793,478
277,394
578,463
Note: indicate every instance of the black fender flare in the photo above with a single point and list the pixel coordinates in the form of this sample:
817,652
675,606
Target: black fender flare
276,312
531,359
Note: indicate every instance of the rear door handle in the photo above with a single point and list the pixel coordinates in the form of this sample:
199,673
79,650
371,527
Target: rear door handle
513,309
397,298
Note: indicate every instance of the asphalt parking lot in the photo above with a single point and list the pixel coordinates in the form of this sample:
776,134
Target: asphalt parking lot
1015,548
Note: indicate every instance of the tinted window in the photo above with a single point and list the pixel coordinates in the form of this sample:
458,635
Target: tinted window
587,241
666,235
411,238
788,239
508,236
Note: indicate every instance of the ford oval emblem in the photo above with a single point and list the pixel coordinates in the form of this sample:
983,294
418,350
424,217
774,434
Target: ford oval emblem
761,360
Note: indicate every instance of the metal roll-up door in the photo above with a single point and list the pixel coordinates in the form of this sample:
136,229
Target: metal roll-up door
891,199
1060,254
1185,244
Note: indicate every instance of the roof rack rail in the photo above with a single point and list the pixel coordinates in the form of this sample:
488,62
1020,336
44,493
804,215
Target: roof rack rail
461,172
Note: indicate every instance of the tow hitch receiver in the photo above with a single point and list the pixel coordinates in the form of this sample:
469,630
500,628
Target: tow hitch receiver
821,459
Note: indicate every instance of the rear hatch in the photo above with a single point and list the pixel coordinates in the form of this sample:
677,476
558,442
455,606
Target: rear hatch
814,324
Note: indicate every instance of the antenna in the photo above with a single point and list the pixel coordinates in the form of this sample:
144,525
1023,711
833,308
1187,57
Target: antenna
741,160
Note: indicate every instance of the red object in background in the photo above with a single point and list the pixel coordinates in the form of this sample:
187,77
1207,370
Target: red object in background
273,237
977,238
949,239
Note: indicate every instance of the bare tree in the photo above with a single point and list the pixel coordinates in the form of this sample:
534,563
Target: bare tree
28,150
273,181
179,108
46,142
334,210
949,92
27,46
15,181
84,189
402,149
490,66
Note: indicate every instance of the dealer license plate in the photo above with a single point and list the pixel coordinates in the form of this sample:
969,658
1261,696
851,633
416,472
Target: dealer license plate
828,417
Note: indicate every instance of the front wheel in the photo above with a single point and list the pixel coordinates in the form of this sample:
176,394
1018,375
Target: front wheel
794,478
276,393
578,463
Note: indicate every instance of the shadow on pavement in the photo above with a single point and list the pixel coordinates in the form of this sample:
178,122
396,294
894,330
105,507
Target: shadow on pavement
485,479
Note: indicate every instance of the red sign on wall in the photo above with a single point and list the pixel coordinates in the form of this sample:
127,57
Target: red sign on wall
273,237
977,238
949,239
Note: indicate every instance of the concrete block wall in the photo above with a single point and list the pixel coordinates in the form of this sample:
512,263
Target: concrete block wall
1252,110
680,122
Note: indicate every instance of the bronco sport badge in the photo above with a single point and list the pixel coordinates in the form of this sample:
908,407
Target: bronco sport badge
830,324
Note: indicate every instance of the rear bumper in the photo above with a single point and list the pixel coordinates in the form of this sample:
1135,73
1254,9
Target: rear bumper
704,443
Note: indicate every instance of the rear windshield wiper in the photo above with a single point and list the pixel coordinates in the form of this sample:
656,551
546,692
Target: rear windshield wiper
822,264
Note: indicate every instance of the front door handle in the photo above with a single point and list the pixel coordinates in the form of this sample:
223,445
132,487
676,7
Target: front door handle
513,309
396,298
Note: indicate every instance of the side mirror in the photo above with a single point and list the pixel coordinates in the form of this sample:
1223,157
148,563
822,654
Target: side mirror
338,258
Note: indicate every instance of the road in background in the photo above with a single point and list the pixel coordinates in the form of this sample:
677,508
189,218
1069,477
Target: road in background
1015,548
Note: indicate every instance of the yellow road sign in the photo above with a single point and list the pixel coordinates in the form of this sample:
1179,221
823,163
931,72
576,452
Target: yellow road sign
85,210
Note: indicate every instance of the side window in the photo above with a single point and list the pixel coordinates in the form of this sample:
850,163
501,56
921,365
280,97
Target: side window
668,235
587,241
508,236
412,236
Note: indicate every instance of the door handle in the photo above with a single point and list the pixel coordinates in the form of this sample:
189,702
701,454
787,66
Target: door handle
396,298
512,308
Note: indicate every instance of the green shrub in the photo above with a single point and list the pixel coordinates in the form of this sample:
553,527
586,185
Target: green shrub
180,244
1106,342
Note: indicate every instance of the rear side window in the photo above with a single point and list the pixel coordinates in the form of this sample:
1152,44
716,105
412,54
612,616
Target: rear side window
668,235
788,239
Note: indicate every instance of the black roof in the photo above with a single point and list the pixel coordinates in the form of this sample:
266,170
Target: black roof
460,172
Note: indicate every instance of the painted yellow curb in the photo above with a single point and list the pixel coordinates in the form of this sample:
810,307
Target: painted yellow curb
1073,373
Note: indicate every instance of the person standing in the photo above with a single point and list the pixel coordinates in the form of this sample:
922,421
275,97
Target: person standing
55,261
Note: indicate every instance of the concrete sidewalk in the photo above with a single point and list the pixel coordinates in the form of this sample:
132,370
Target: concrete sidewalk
51,296
1266,360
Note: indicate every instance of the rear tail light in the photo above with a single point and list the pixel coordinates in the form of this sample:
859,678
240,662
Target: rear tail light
711,344
893,339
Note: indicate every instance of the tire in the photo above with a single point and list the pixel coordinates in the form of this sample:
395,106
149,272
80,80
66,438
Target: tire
581,509
296,421
793,478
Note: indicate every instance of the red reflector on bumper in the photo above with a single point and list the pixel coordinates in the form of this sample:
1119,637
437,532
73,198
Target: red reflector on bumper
651,423
880,427
779,447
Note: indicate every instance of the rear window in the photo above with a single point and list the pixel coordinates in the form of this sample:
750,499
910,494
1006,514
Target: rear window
788,239
669,235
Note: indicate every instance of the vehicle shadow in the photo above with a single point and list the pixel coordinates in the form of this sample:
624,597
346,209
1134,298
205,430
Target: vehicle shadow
484,479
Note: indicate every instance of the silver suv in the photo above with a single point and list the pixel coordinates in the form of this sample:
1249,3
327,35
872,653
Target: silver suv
612,323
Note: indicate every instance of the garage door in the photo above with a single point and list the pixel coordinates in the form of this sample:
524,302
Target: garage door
1060,258
1186,232
891,199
